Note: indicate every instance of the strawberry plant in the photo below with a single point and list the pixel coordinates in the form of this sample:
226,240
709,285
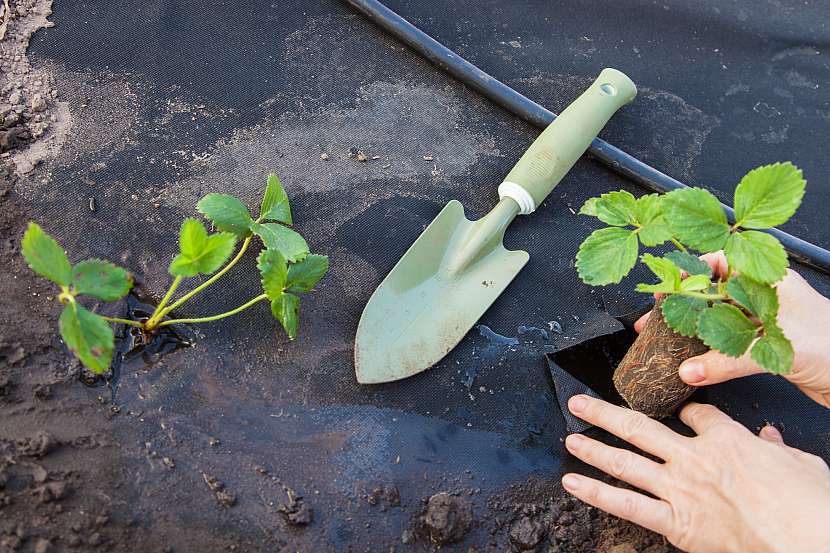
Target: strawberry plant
732,313
286,267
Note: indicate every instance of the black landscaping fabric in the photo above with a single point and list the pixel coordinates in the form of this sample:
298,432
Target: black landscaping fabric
171,100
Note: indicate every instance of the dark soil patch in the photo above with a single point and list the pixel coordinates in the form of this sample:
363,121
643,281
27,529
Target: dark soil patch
56,479
62,482
539,516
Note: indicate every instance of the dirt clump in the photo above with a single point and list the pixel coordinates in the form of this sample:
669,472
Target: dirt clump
526,534
223,495
384,497
38,445
446,519
28,100
538,516
619,536
295,510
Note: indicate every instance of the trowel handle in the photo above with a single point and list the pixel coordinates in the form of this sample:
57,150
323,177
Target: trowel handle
556,150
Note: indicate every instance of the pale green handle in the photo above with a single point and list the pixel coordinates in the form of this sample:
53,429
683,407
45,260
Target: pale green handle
556,150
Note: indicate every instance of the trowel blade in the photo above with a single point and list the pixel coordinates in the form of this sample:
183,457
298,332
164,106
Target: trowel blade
421,310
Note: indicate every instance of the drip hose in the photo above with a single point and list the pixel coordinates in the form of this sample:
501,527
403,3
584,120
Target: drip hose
615,159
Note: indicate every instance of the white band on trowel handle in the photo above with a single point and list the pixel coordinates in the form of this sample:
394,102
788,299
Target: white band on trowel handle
515,192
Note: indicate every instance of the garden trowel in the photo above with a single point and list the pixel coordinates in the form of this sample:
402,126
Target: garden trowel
457,268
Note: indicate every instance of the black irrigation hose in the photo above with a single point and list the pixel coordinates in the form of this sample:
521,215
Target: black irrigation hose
518,104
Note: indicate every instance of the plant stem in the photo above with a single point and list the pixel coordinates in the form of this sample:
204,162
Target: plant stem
216,317
122,321
680,246
158,313
702,295
209,281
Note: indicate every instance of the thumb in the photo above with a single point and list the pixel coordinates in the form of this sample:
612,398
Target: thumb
713,367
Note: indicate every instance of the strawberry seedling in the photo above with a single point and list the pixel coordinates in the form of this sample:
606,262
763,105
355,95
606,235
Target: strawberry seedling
287,269
732,313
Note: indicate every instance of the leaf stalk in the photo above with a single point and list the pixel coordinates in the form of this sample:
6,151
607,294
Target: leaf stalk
239,309
205,284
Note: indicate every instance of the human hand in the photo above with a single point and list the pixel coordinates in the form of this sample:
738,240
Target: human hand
725,490
804,316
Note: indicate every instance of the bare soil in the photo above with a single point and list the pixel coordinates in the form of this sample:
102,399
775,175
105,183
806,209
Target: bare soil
539,517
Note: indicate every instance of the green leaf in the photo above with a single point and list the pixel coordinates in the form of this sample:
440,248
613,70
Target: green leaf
653,229
758,255
589,207
101,279
695,283
655,233
760,299
725,328
606,256
45,256
648,208
692,264
616,208
286,309
226,213
773,352
696,218
768,195
275,206
666,271
681,313
200,253
273,269
287,241
304,275
88,336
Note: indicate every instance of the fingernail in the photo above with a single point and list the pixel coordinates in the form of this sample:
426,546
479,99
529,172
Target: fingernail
573,441
570,482
691,372
577,404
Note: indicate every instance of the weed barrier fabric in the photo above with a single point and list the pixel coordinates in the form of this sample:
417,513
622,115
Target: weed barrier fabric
174,100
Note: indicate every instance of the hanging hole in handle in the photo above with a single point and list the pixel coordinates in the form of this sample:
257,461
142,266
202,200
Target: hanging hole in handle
608,89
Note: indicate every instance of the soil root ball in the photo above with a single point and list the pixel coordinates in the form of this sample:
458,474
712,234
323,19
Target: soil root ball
647,376
447,518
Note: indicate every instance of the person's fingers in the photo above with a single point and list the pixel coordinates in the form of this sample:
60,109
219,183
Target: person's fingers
701,417
713,367
771,434
641,322
621,464
717,261
633,427
650,513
